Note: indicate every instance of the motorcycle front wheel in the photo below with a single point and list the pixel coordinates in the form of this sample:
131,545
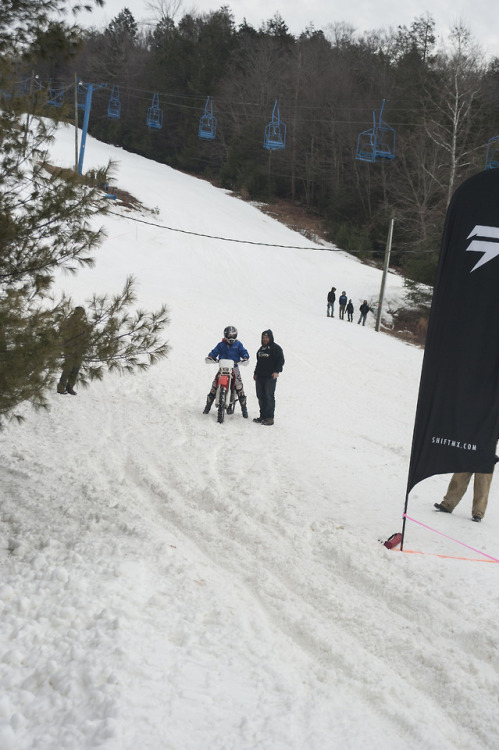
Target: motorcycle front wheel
221,405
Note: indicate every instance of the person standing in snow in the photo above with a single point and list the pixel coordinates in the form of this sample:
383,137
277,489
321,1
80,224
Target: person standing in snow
350,311
75,334
343,303
364,309
229,348
458,486
331,297
269,363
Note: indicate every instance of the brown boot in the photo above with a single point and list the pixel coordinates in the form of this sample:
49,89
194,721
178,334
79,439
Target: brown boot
71,390
61,388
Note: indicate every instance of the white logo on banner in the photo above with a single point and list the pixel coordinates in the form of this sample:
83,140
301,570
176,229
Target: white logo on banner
487,246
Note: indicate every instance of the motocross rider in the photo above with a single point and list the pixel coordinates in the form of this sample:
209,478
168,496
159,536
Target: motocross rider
229,348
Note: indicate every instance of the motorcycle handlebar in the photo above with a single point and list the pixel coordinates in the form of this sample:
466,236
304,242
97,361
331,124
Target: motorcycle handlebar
210,360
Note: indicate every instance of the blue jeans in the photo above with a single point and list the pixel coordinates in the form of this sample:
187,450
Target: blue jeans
330,309
362,318
265,393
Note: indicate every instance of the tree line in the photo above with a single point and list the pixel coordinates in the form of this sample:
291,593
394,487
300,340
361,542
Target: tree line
441,99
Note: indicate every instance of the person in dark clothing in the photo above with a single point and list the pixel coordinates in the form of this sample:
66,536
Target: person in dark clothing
75,334
331,297
343,303
364,309
350,311
269,363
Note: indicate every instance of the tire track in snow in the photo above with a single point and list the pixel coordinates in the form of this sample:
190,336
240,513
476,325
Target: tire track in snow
247,533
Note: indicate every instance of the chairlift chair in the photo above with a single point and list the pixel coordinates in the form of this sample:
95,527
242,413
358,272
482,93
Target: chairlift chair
208,123
114,106
377,143
22,87
275,132
492,158
55,97
155,114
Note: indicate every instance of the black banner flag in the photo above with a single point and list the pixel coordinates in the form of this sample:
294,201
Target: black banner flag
457,415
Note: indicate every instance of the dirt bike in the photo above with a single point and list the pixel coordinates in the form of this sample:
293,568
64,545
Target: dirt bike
226,395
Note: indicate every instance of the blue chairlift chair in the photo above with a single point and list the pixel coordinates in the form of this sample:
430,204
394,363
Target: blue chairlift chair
55,97
208,123
492,158
22,87
378,143
155,114
114,106
275,132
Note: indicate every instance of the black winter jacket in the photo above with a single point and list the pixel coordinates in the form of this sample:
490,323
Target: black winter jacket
269,358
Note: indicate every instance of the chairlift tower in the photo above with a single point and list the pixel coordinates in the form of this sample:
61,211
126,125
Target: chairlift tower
90,88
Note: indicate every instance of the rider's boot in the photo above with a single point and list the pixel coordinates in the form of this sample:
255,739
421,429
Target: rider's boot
209,401
242,401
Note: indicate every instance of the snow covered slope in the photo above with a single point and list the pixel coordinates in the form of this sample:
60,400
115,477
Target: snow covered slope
170,583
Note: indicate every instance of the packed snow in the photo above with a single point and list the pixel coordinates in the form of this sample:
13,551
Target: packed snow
170,583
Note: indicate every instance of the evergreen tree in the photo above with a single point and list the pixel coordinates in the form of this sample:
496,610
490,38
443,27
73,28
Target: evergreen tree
45,226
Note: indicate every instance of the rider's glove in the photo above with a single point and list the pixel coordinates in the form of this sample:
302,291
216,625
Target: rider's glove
244,361
210,359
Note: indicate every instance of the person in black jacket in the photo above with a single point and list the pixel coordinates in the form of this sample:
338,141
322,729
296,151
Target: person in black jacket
350,311
364,309
331,297
343,303
269,363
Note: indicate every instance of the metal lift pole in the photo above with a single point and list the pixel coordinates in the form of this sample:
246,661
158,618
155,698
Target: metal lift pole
88,104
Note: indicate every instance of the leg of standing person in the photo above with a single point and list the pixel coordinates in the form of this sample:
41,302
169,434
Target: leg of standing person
265,391
270,396
73,375
70,370
456,489
481,488
269,387
260,394
63,380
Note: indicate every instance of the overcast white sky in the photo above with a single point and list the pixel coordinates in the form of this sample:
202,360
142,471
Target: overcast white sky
479,15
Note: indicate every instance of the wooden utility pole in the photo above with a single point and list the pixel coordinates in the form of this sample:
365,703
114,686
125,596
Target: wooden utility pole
385,271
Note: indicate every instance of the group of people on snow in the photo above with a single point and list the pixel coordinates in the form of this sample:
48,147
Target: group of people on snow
345,305
269,364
